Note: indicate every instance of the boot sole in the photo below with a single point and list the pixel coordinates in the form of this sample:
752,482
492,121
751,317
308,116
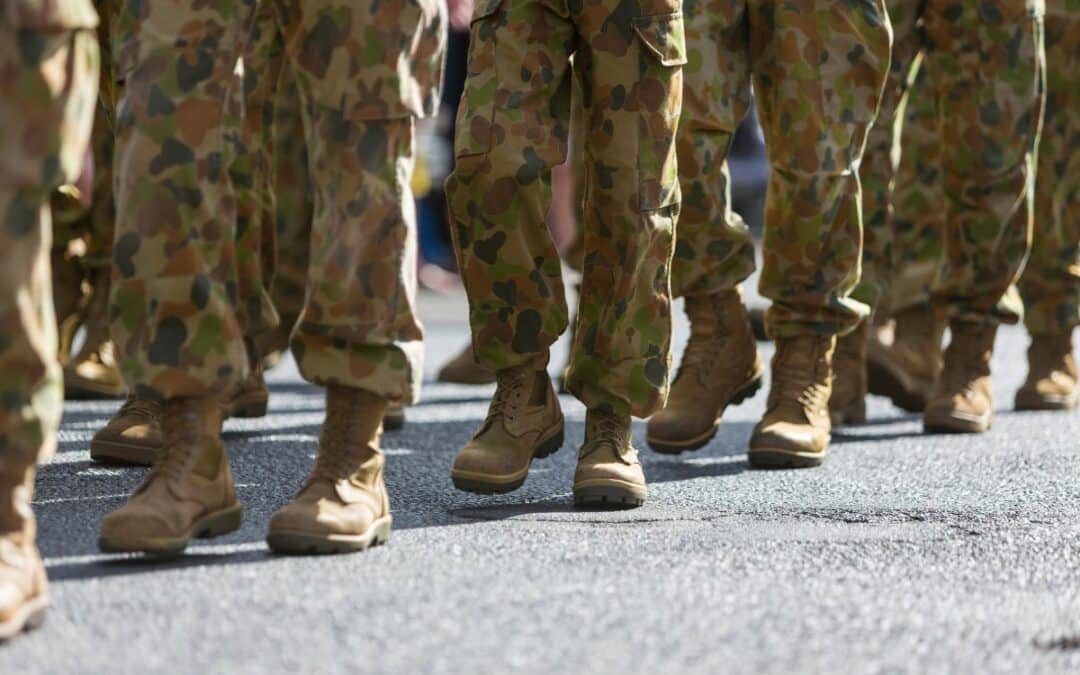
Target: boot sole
677,447
249,406
610,494
496,485
293,542
883,382
28,617
1033,402
777,458
128,454
948,424
393,422
213,525
80,389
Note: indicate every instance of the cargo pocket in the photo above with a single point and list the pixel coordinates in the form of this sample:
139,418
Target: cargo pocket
476,112
662,49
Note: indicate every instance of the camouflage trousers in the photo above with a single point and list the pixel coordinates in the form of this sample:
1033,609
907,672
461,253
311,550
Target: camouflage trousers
978,57
48,84
512,129
179,280
815,118
1050,285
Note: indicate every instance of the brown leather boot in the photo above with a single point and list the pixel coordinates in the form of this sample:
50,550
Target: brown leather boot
132,436
463,369
794,432
847,405
343,506
251,397
962,400
1052,375
904,363
92,372
523,422
720,367
608,472
24,594
188,494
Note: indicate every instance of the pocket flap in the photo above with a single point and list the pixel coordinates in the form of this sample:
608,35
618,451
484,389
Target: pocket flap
664,37
485,8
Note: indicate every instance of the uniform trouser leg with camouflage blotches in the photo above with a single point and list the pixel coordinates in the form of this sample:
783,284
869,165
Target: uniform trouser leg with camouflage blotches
512,129
47,89
1050,284
815,122
175,275
359,326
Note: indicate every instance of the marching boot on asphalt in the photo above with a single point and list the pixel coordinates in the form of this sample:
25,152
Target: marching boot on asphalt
905,370
962,400
93,372
343,506
720,367
251,397
24,594
523,422
794,433
189,492
1052,375
463,369
394,417
132,436
608,471
847,404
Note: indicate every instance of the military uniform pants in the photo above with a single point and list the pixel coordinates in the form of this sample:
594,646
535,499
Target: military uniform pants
1050,284
815,117
48,84
980,57
512,129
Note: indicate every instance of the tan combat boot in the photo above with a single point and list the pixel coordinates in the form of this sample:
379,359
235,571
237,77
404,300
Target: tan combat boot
608,471
1052,375
904,365
523,422
93,372
463,369
720,367
794,433
132,436
189,493
343,506
961,400
24,594
251,397
847,404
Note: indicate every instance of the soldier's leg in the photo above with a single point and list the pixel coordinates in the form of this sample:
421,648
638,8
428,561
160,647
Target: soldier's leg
815,122
1050,284
49,64
358,334
983,56
174,296
714,251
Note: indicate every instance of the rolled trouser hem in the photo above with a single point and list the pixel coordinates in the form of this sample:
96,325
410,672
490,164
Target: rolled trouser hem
392,372
1062,318
643,395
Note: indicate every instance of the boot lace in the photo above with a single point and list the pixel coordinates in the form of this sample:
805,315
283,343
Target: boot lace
510,383
140,407
604,429
701,356
796,385
178,450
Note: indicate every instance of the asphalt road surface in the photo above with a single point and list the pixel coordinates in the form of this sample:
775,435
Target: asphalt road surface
904,553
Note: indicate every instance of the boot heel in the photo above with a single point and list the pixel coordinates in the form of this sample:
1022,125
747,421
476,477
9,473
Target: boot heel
747,392
551,445
221,523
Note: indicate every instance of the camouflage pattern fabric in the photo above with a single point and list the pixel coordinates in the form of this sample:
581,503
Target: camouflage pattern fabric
978,57
175,287
512,129
815,113
1050,284
48,84
364,72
